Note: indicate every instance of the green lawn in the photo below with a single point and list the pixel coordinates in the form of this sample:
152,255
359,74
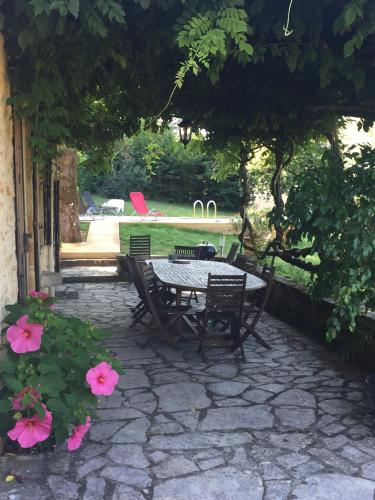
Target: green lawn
164,237
170,209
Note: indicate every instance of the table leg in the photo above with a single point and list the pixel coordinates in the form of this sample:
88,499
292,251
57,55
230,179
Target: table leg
178,304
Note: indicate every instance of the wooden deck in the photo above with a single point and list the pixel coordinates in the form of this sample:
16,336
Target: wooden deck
103,242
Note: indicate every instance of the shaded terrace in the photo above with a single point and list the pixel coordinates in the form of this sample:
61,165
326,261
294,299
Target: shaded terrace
293,422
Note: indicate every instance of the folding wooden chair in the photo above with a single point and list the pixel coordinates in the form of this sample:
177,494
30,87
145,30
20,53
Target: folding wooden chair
245,264
230,258
254,309
140,310
224,302
140,246
166,318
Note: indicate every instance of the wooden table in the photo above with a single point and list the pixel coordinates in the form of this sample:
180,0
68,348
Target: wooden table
194,275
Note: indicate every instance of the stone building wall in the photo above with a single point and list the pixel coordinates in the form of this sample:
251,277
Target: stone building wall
8,262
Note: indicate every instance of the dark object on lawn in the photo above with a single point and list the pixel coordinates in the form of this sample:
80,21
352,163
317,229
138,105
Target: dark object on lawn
207,251
370,381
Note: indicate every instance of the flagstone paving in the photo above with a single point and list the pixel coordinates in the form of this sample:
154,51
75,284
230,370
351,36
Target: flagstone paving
291,423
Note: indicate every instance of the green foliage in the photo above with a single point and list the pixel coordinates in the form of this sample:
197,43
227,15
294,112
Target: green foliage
211,36
159,166
332,205
57,370
261,169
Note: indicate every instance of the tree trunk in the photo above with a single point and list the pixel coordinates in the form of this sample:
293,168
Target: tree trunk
247,199
281,148
69,202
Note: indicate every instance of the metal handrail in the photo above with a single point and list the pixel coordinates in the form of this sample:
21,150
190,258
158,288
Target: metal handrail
202,207
208,208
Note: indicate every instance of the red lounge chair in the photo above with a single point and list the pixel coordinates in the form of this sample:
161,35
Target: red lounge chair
140,205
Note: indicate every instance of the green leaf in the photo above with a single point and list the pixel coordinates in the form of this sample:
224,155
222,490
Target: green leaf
349,48
5,405
16,311
7,366
61,434
56,405
350,15
73,7
12,383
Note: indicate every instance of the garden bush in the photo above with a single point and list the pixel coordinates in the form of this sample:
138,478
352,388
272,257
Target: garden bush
52,371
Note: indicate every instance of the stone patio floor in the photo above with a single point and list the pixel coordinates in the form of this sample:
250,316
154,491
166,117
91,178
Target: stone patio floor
291,423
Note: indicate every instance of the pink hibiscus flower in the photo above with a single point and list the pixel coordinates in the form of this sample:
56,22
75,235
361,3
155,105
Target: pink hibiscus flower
30,431
74,441
24,337
17,400
102,379
38,295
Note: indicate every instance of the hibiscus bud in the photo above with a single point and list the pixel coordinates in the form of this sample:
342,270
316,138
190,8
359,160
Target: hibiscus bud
17,416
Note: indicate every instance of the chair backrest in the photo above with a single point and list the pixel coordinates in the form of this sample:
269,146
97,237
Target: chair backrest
225,293
89,199
187,253
140,246
135,273
139,203
245,264
232,253
151,294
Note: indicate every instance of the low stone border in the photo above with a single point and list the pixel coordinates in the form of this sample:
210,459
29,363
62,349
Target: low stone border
291,302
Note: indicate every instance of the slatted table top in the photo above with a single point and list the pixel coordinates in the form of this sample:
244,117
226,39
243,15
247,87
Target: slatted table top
194,276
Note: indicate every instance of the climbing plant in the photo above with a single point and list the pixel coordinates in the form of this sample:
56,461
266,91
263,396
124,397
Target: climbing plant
83,72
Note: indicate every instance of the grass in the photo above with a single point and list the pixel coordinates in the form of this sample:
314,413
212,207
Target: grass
170,209
165,237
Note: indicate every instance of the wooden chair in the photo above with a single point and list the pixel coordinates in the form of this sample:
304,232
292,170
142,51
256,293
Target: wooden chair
254,309
230,258
224,301
245,264
140,310
188,253
166,318
140,246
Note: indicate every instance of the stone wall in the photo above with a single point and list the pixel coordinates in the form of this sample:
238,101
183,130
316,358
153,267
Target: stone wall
292,303
8,262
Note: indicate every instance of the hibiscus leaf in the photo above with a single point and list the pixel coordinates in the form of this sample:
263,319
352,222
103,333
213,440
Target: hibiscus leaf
40,410
5,405
12,383
6,423
7,366
15,312
56,405
45,368
60,435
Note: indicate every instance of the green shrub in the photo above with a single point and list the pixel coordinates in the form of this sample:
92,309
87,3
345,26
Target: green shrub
45,375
